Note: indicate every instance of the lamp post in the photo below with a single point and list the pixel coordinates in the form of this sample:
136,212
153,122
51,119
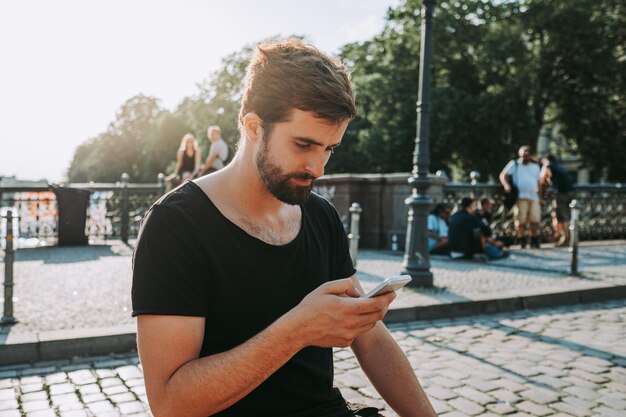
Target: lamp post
416,258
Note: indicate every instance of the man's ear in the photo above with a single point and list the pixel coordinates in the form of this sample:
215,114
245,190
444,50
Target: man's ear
253,126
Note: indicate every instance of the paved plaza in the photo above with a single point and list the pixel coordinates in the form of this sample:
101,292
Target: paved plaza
567,361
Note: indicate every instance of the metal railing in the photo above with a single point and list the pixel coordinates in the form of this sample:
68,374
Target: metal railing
602,214
114,210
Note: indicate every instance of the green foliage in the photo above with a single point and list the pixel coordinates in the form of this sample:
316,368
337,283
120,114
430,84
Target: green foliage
501,69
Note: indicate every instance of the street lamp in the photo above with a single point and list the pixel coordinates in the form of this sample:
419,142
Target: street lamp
416,258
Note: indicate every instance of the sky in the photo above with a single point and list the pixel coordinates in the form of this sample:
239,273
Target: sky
67,66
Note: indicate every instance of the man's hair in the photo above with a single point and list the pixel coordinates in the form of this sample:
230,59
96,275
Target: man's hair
523,148
213,128
439,208
466,202
485,201
552,159
287,74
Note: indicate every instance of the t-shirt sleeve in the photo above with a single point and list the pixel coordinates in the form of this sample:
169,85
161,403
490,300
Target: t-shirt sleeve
432,223
167,276
509,168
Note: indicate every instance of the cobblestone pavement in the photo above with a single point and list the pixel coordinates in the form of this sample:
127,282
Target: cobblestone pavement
569,361
89,287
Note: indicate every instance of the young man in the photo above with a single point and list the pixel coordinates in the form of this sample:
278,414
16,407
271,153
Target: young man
242,279
555,174
525,173
218,152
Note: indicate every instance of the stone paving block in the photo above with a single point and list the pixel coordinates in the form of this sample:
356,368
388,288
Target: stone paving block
501,408
6,383
131,407
466,406
591,368
551,381
352,379
35,379
42,413
122,398
7,394
474,395
64,399
61,389
616,386
445,382
584,393
82,377
138,390
93,398
55,378
612,402
38,386
30,406
89,389
481,384
509,384
100,407
115,389
609,412
440,406
8,405
129,372
540,396
505,395
579,403
34,396
104,373
440,393
580,382
10,413
570,409
533,408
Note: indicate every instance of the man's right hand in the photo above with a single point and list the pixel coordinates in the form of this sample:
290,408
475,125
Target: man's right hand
333,315
507,188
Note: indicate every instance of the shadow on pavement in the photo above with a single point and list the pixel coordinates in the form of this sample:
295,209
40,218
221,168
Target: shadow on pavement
62,255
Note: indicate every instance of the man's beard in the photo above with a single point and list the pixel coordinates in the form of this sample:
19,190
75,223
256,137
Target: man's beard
278,183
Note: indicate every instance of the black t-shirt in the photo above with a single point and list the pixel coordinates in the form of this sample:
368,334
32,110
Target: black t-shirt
190,260
464,232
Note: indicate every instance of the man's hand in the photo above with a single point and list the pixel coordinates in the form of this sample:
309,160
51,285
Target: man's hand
507,188
333,315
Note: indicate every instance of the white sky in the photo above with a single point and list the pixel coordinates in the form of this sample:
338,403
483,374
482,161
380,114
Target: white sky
66,66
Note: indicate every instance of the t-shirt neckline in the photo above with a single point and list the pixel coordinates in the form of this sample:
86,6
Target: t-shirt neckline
196,189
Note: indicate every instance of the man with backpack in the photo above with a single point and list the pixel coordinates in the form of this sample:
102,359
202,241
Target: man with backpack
220,153
524,174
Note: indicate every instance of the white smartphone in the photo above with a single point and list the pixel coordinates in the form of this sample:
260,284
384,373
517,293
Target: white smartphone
388,285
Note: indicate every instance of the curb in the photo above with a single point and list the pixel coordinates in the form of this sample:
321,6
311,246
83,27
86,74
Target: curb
66,344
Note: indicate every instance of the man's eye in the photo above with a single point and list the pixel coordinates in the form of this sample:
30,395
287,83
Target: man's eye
303,145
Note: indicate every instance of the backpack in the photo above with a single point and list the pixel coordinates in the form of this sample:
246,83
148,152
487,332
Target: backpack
230,155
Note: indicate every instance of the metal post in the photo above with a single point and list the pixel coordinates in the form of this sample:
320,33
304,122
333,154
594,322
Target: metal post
125,208
416,257
474,176
161,181
573,236
9,257
355,216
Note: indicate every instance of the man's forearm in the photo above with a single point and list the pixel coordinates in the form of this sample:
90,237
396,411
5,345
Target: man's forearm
387,367
208,385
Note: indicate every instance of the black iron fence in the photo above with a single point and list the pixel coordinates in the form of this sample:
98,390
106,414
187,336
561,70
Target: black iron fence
114,210
602,214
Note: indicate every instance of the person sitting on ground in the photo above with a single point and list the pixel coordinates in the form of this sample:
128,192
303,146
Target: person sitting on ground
467,236
187,161
438,228
485,213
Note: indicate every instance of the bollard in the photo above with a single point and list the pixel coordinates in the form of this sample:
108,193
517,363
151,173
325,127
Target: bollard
573,236
353,237
161,181
474,176
125,208
9,257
